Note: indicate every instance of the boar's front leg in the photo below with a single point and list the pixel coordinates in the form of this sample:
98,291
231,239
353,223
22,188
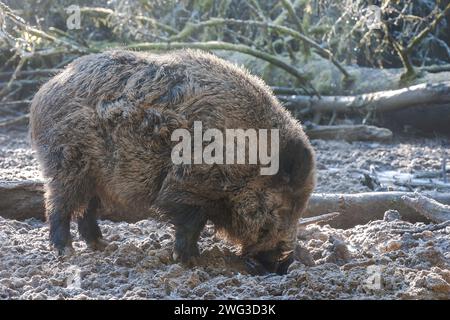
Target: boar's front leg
188,226
189,222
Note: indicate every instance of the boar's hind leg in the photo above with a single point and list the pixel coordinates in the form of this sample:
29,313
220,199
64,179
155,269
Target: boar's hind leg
88,226
60,205
68,187
58,216
189,222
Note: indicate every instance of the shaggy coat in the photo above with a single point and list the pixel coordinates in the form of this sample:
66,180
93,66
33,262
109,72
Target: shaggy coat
101,130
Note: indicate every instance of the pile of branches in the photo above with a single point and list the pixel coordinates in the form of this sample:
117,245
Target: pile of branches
408,33
240,26
36,40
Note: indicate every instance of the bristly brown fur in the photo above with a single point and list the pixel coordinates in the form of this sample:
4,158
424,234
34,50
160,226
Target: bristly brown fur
101,130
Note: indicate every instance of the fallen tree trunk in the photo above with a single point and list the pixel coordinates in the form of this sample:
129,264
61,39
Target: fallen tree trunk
421,94
22,200
429,208
349,133
25,199
431,118
360,208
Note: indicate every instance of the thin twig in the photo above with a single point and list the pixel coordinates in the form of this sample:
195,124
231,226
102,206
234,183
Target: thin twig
317,219
23,119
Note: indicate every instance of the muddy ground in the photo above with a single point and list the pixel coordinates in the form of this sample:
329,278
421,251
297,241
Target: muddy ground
387,259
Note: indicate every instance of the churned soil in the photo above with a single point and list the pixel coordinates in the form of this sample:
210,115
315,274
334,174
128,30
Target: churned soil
384,259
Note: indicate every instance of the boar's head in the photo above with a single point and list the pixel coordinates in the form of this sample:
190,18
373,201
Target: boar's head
266,211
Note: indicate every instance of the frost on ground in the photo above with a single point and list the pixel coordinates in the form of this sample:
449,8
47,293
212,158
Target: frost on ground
380,260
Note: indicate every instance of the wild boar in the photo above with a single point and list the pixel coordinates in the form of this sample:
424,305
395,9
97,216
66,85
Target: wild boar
102,131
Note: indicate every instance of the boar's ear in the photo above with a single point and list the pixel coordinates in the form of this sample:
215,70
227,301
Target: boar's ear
296,163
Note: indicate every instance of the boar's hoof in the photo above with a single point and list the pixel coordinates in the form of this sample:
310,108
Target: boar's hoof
98,244
189,258
255,268
64,252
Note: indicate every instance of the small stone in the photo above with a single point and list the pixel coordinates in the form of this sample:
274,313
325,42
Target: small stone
35,280
341,251
304,256
111,248
320,236
193,280
392,245
38,296
427,234
392,215
18,283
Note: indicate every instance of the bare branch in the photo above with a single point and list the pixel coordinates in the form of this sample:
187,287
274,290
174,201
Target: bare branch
317,219
191,28
218,45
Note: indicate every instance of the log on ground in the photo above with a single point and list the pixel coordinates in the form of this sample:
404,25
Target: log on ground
349,133
361,208
22,199
25,199
429,208
425,94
